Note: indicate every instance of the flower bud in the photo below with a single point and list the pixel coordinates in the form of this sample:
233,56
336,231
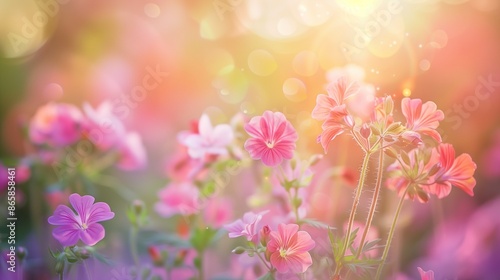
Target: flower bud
365,131
138,207
238,250
59,267
264,234
156,256
22,253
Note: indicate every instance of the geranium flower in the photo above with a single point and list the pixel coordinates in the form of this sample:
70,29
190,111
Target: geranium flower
426,275
131,153
289,249
56,125
273,138
453,172
422,118
178,199
102,127
248,226
82,225
208,140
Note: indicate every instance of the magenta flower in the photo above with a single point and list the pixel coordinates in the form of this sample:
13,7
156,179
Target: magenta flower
426,275
84,224
453,171
289,249
131,153
248,226
208,140
56,125
422,118
179,198
273,138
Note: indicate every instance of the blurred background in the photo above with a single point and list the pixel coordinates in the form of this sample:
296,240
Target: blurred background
224,57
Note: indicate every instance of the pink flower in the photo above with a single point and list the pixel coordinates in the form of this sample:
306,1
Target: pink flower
331,109
422,118
217,212
273,138
84,224
178,199
208,140
292,173
56,125
426,275
289,249
248,226
131,153
453,171
103,128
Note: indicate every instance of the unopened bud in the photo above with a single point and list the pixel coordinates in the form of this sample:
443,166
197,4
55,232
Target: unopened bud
138,206
238,250
156,256
59,267
22,253
265,233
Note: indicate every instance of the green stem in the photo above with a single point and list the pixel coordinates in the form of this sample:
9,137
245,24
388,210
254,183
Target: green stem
263,261
200,268
293,198
133,246
359,189
391,234
373,205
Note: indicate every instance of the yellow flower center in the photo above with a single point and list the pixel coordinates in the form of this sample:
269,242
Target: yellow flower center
84,226
283,253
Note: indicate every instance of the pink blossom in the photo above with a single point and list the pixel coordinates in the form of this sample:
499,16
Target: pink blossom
422,118
56,125
248,226
131,153
103,128
273,138
178,198
84,224
453,171
217,212
426,275
289,249
208,140
292,172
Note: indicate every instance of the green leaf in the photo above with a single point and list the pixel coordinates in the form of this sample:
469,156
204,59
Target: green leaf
154,237
316,223
202,238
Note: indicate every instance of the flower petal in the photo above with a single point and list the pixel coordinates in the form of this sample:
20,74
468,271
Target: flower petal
93,234
63,215
67,235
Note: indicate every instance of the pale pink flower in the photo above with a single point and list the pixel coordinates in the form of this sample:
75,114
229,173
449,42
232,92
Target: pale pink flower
453,171
208,140
292,173
102,127
131,153
422,118
289,249
82,225
56,125
247,227
181,198
273,138
426,275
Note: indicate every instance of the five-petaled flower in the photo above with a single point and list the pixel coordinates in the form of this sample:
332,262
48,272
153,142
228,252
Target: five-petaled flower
82,225
273,138
248,226
422,118
289,249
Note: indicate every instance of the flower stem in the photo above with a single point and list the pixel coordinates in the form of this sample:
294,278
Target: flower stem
133,246
359,189
391,234
200,268
373,205
263,261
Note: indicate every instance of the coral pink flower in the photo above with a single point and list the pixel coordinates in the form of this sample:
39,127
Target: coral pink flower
426,275
178,199
131,153
332,110
248,226
273,138
102,127
453,171
82,225
422,118
289,249
208,140
56,125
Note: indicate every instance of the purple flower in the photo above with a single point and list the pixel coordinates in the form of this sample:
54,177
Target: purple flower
248,226
82,225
